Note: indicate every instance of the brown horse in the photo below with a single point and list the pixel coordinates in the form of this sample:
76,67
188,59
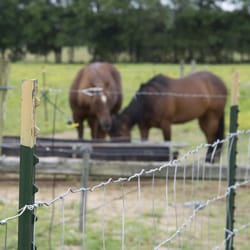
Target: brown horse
163,101
95,95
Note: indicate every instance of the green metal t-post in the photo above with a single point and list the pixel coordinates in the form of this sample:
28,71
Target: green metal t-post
232,151
28,160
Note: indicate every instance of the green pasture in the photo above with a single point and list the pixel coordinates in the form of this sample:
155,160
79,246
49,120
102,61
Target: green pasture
56,78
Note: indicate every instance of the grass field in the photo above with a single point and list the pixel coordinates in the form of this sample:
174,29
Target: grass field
59,77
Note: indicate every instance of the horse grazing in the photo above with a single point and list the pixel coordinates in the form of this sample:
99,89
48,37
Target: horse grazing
95,95
163,101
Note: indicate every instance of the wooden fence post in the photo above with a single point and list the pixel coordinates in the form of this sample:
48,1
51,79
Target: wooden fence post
4,78
232,151
28,160
86,150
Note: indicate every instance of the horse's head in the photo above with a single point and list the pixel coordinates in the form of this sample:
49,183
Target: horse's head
101,108
120,131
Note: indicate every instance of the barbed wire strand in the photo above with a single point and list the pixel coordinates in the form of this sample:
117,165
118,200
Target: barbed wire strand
139,212
6,236
123,215
183,189
175,203
167,200
63,221
153,208
52,215
103,218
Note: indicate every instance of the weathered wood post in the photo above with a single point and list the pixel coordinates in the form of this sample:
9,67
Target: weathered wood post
232,151
86,150
4,79
28,160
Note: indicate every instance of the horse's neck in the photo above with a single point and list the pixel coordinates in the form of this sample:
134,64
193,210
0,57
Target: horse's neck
133,112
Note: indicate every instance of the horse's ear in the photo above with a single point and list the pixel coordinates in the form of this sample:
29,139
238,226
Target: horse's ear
142,85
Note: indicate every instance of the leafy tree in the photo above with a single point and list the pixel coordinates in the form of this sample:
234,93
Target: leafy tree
201,31
11,26
104,35
240,32
45,32
146,30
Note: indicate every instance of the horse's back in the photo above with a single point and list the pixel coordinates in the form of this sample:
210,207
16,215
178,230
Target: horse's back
213,82
182,99
102,75
211,89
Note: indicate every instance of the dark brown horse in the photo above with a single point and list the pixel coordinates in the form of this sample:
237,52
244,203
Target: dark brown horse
95,95
163,101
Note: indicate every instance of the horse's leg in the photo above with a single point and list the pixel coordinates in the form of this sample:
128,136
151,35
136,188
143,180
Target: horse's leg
209,125
101,134
96,131
166,130
93,127
144,132
80,128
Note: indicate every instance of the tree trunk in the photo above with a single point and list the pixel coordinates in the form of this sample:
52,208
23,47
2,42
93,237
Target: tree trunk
58,55
71,54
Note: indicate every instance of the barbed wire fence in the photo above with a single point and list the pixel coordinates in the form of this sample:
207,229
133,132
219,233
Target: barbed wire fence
143,211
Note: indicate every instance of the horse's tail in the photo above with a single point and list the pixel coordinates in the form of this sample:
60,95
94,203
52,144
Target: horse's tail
210,156
220,134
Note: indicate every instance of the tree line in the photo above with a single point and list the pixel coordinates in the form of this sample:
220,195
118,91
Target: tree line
135,30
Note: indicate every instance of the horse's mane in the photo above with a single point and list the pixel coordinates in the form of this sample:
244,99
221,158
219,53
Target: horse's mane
155,84
135,111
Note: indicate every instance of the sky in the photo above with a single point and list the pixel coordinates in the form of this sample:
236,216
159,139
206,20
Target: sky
226,5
